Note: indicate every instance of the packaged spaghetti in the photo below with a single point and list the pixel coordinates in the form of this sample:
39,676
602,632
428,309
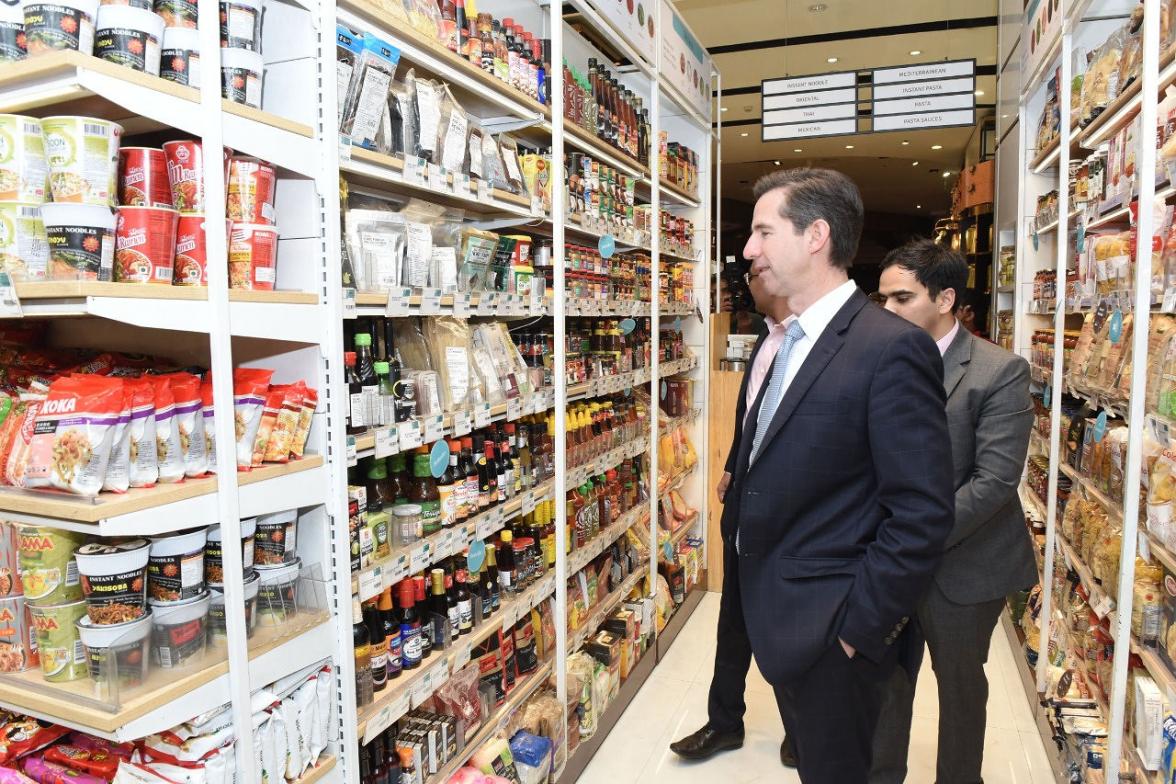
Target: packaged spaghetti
285,427
118,468
167,432
73,434
142,454
250,387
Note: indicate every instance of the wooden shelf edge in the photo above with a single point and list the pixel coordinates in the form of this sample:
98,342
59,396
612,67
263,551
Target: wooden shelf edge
317,772
32,290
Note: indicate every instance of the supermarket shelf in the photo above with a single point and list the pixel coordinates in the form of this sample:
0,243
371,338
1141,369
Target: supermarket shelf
1116,216
274,651
415,687
1028,681
169,507
387,172
280,315
419,556
578,476
1048,157
1052,226
317,773
1092,492
574,306
583,754
580,139
1100,600
677,366
47,84
1035,504
678,620
669,192
1155,666
669,423
1126,106
599,543
598,614
396,303
677,309
607,385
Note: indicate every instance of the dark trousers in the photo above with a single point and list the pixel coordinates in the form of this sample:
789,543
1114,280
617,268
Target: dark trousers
725,704
958,636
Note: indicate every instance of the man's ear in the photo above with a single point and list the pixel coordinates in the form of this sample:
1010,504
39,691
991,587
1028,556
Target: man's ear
946,301
819,235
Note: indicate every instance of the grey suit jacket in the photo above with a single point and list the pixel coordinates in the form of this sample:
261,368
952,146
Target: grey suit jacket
989,553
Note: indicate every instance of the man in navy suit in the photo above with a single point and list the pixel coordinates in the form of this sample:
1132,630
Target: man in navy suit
842,493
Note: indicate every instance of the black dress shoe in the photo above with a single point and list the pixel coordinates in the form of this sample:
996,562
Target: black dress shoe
706,743
787,753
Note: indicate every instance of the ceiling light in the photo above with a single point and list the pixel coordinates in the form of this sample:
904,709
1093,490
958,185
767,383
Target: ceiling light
830,59
915,163
723,109
849,146
817,8
946,175
905,143
798,150
1004,117
916,52
777,163
979,92
936,146
918,206
743,134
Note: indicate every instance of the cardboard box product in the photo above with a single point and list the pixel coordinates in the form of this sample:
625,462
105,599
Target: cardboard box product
1149,721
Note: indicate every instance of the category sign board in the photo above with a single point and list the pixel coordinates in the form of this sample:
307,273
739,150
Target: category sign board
685,64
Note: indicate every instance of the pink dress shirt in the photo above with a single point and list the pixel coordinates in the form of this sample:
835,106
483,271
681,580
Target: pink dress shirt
763,361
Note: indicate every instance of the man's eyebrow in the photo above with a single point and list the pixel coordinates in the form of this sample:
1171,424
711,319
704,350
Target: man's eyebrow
760,225
895,293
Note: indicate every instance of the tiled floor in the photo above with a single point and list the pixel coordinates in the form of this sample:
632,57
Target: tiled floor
672,703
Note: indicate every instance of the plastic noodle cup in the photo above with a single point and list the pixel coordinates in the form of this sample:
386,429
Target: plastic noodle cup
277,601
242,72
81,241
180,631
216,610
253,251
24,246
142,178
145,245
48,567
179,61
241,24
82,153
129,36
185,173
18,644
119,650
213,561
191,255
275,541
251,184
12,35
144,4
9,561
114,580
24,174
58,644
61,24
178,13
175,567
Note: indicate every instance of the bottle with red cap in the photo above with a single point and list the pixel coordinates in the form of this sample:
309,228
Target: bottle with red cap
410,625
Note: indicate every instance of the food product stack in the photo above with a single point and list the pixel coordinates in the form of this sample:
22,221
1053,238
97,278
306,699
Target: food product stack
678,164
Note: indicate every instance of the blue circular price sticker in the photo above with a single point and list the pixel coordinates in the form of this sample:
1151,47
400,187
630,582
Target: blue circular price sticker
477,555
627,325
607,246
1081,236
678,324
439,458
1048,396
1100,426
1036,243
1115,331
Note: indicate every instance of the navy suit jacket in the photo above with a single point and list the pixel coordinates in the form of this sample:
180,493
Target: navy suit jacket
843,515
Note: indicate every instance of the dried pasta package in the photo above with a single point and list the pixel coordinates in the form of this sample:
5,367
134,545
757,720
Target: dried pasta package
1161,493
1131,59
168,449
477,253
411,349
509,150
367,93
376,242
424,16
455,135
285,428
305,420
274,400
1100,85
448,342
73,433
144,456
428,117
250,387
1114,354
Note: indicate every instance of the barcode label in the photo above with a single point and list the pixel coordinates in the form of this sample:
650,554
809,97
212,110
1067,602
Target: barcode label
79,653
95,129
30,212
165,659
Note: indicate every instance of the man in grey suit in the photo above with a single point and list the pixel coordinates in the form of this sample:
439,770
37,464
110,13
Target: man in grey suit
988,553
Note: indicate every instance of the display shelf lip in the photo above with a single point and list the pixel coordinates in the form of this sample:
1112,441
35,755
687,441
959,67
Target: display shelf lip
582,140
1088,487
1085,575
1126,104
154,711
678,195
126,302
1109,218
168,501
1048,157
319,771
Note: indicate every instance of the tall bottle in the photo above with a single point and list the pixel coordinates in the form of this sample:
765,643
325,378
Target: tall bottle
356,405
465,605
487,476
428,632
506,563
451,608
469,469
447,492
363,655
490,579
391,634
423,491
439,607
365,368
410,626
378,657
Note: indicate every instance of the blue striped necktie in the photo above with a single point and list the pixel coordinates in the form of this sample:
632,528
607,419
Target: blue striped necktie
775,386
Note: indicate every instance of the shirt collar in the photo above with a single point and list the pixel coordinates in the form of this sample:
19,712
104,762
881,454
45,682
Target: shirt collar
820,313
775,326
945,342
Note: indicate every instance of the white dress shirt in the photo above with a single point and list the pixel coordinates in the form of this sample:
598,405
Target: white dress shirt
944,342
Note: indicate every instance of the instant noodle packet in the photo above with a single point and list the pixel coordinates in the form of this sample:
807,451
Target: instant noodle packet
305,418
73,434
167,433
250,388
144,461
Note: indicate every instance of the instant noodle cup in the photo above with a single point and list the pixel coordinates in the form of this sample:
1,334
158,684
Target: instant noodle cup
62,24
180,59
142,178
216,608
81,241
213,554
240,26
277,601
129,36
12,37
178,13
116,653
82,153
185,173
180,631
251,191
48,567
191,256
145,245
58,645
114,580
241,76
253,249
24,174
24,246
9,560
18,644
274,544
175,567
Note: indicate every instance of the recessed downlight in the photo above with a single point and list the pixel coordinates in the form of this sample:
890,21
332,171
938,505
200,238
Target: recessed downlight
979,92
914,163
916,52
946,175
918,206
743,134
936,146
777,163
905,143
830,59
817,8
849,146
723,109
798,150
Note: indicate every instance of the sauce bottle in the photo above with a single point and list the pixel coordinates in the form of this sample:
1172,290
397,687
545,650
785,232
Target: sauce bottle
410,626
439,608
506,564
391,633
468,467
451,608
465,605
378,656
356,409
428,633
423,491
365,369
363,655
447,492
491,579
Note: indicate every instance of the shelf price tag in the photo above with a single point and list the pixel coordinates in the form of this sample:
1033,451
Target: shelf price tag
9,301
371,582
430,302
415,170
463,538
537,205
486,527
434,428
485,193
349,306
482,415
461,184
410,435
528,503
461,304
399,299
438,180
461,423
386,717
351,457
514,409
396,571
510,613
444,545
1103,605
488,303
461,657
419,559
387,442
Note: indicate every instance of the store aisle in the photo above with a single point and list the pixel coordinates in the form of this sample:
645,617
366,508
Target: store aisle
672,703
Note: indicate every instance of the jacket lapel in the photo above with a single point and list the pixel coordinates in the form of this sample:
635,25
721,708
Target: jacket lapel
827,346
956,359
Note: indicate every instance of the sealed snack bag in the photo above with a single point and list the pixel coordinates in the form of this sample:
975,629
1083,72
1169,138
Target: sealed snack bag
305,418
143,456
250,387
274,400
207,414
285,426
167,432
189,422
118,468
73,434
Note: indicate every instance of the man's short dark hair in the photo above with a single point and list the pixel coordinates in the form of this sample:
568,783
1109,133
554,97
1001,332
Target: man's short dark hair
816,194
935,267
